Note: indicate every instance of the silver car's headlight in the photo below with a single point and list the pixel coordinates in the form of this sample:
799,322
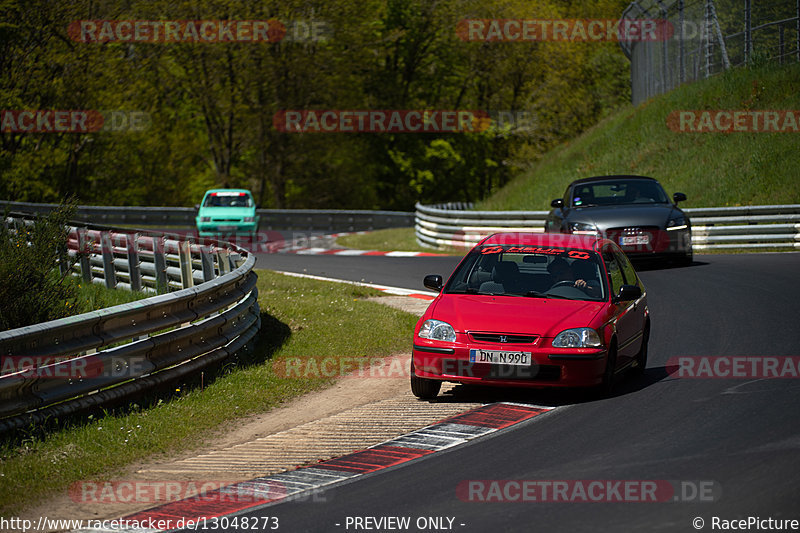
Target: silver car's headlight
577,338
438,331
677,223
582,228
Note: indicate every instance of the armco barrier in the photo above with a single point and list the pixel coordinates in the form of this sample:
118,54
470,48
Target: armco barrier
120,351
328,220
747,228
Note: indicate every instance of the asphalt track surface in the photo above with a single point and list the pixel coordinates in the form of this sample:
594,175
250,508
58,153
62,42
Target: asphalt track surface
737,438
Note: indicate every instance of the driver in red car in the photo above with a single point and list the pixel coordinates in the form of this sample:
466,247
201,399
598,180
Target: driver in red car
562,271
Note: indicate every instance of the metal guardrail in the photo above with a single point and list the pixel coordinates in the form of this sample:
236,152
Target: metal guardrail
66,365
747,227
330,220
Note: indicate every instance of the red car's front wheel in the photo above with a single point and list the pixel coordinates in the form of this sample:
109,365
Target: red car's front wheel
423,388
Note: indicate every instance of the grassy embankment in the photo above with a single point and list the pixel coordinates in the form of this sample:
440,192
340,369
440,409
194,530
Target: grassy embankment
713,169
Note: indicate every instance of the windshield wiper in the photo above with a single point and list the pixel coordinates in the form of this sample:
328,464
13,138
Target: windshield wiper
535,294
548,295
471,290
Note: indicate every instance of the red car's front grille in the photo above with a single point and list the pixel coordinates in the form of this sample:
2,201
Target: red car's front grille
503,338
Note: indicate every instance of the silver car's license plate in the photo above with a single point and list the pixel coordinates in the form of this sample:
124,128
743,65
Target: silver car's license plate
632,240
499,357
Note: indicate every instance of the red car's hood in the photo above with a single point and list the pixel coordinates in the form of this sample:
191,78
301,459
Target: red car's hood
509,314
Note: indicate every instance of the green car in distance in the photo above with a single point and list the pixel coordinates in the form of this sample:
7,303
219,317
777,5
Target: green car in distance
226,211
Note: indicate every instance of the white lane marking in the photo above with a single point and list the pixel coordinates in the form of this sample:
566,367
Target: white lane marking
386,288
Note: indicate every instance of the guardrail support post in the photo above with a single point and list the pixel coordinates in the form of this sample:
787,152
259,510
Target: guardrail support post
132,242
233,257
223,264
185,258
107,250
83,251
160,265
207,262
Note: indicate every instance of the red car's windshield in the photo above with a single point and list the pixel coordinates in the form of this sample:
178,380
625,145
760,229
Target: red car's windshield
565,273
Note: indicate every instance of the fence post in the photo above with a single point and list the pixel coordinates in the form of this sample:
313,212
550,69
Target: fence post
160,265
681,43
107,250
748,34
708,32
83,253
722,48
665,85
781,46
185,259
132,242
797,29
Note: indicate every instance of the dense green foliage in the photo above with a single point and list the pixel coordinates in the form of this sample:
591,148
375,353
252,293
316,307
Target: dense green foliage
713,169
211,106
31,288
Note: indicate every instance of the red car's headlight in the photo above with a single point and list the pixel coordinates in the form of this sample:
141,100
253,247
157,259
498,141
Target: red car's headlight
577,338
437,330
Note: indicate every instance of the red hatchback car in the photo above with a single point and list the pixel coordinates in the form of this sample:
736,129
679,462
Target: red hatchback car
533,310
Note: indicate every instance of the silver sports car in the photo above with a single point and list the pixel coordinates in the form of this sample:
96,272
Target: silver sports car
633,211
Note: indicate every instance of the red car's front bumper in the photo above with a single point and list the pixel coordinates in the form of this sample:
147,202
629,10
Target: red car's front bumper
551,367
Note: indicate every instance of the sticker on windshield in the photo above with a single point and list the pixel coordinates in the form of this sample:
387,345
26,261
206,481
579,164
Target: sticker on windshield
573,254
578,254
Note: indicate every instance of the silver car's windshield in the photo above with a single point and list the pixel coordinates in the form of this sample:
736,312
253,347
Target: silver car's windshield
530,271
621,192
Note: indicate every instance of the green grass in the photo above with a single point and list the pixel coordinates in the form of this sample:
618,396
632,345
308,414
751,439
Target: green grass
93,296
391,240
300,317
713,169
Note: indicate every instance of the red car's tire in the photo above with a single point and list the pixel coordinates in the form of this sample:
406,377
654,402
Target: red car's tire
641,357
423,388
609,375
